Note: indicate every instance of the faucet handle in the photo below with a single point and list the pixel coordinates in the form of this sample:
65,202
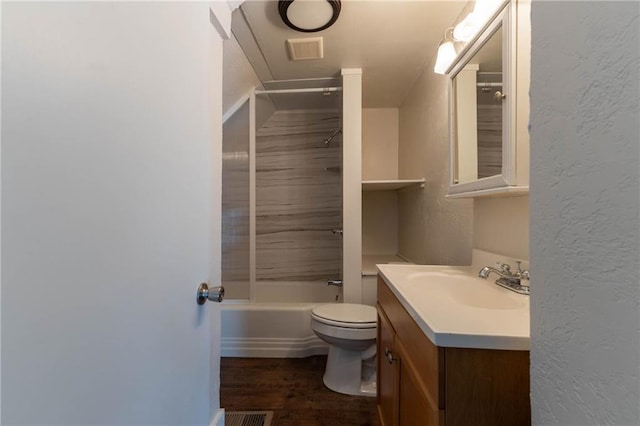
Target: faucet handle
523,275
504,267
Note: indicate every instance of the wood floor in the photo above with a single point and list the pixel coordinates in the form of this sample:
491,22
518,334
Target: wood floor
292,388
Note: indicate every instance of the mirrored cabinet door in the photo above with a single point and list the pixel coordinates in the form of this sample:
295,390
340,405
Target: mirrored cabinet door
479,98
483,109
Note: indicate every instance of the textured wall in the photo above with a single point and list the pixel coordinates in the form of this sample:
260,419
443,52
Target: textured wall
298,202
432,229
585,325
501,225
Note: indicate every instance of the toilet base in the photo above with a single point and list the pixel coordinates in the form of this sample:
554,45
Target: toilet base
343,373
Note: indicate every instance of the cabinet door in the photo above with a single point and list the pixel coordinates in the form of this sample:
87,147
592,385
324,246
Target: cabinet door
415,407
387,373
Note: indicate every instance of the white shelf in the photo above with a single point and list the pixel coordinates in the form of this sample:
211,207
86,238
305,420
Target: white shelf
390,185
505,191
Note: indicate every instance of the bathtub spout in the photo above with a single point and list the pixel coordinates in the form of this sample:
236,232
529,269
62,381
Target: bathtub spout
337,283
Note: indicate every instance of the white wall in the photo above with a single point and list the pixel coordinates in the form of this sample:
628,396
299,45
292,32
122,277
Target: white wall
501,225
380,162
585,323
106,212
379,222
379,143
432,229
239,77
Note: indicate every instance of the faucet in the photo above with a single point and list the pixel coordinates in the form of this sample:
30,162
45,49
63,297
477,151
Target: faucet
509,280
337,283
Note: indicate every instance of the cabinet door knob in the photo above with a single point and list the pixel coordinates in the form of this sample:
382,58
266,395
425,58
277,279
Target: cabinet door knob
389,355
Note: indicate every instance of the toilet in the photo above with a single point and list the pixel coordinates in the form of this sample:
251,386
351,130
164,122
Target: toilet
350,330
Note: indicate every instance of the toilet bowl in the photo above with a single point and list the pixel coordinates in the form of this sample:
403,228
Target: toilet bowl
350,331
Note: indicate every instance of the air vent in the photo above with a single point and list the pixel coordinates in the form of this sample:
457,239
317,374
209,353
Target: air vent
301,49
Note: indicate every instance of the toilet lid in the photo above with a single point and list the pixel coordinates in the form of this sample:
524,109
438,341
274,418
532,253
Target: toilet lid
346,315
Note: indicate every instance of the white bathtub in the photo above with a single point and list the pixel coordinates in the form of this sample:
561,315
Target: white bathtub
270,328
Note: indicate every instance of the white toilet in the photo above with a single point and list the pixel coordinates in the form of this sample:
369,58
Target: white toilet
350,331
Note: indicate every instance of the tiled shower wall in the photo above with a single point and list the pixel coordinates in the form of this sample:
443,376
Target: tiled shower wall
298,197
489,140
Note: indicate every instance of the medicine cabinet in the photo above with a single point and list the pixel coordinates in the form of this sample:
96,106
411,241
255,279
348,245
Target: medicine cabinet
489,104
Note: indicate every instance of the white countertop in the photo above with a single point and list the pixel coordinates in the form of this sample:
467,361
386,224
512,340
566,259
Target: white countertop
455,308
370,261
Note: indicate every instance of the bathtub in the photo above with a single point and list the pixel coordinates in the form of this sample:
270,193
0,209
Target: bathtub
270,328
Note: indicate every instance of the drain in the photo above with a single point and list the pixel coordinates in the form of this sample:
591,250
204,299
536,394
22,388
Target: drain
248,418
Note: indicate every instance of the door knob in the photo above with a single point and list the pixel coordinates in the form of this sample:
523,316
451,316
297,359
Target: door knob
215,294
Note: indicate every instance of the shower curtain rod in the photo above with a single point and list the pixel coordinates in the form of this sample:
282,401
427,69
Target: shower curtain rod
310,90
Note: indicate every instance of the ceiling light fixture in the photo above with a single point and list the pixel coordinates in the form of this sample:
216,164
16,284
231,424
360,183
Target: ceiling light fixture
446,53
309,16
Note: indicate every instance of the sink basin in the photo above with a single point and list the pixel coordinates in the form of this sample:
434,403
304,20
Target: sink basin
464,288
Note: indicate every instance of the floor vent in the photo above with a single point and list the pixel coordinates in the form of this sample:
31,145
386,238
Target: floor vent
248,418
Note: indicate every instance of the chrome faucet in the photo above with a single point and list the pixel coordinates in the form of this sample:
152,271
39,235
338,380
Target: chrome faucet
337,283
509,280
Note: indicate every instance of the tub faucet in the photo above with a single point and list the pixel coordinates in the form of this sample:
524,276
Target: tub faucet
337,283
509,280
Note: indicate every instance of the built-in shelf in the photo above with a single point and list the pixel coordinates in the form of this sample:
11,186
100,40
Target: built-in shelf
390,185
505,191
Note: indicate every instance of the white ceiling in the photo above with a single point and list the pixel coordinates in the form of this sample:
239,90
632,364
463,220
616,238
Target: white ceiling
392,41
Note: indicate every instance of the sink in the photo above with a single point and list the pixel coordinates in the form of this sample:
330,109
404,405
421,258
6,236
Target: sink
456,308
479,296
464,288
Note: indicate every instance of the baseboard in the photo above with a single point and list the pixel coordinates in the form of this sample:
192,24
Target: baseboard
218,419
253,347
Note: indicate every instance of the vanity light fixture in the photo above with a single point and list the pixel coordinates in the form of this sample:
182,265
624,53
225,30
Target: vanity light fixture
309,16
466,29
446,53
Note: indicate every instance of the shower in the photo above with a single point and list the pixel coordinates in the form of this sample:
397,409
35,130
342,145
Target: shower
283,182
328,140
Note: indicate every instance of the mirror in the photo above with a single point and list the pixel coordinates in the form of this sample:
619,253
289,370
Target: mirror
482,115
478,113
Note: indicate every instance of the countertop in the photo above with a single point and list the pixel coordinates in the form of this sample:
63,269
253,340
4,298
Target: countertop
370,261
455,308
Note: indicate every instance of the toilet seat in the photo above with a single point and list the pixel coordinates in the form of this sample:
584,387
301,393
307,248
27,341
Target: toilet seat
346,315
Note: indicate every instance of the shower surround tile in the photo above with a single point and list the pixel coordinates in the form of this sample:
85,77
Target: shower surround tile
489,140
298,197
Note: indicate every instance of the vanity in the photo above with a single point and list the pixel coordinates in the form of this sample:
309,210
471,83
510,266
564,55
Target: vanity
453,349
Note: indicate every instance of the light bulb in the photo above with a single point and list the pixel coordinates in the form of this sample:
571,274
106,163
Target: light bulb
446,56
483,9
309,14
466,29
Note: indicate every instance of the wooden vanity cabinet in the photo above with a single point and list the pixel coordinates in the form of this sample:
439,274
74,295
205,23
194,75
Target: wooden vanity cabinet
420,384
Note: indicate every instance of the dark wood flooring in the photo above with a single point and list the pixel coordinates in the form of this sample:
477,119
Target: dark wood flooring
292,388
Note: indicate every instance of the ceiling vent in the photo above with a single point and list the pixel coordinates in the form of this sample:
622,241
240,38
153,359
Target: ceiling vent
301,49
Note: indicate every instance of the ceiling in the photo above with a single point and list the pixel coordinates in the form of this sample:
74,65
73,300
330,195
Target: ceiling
392,41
